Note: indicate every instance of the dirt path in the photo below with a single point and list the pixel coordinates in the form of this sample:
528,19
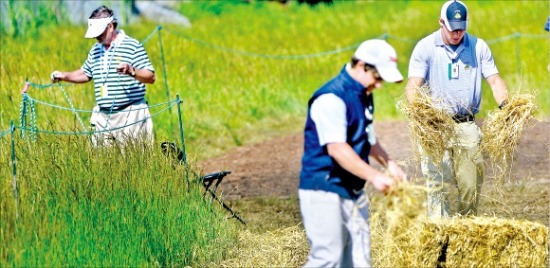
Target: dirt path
271,168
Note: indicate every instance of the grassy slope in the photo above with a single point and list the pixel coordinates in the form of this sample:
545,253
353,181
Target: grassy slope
231,98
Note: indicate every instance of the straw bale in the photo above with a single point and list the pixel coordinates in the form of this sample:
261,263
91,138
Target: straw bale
408,238
395,227
494,242
431,127
502,130
463,242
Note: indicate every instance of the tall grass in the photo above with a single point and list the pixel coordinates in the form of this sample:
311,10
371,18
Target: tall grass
84,206
20,18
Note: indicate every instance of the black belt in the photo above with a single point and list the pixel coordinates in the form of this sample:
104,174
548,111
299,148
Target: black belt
459,118
119,108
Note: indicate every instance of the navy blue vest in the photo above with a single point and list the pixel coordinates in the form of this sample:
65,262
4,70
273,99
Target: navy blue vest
319,170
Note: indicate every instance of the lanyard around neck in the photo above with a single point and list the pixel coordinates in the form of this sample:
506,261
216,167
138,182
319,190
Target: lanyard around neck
107,59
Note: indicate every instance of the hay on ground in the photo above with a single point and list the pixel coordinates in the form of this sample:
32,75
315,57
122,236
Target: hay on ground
287,247
402,236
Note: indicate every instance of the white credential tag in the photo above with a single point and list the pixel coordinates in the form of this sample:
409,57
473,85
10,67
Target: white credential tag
454,71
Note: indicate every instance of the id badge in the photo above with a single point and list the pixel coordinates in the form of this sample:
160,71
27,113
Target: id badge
103,91
453,70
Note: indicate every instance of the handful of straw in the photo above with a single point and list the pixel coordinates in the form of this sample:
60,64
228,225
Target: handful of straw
431,127
402,203
502,130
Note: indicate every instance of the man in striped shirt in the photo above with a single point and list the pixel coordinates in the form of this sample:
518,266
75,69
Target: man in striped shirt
120,68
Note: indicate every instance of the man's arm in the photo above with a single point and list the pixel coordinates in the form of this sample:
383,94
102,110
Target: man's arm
380,155
350,161
413,84
77,76
498,86
142,75
145,76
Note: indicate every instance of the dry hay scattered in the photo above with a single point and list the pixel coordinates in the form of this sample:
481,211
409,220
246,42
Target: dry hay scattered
402,236
502,129
463,242
394,225
281,248
431,127
401,204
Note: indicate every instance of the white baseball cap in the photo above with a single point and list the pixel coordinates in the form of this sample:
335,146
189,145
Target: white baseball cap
382,56
97,26
455,15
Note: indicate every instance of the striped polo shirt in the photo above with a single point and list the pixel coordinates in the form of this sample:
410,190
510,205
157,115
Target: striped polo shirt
111,88
454,76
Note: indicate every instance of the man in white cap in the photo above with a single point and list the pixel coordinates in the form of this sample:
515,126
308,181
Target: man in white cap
339,138
120,67
451,63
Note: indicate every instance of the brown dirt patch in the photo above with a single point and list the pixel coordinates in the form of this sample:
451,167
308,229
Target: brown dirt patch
272,168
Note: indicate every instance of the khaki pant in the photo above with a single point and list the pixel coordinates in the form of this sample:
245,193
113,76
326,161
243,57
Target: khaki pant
132,124
462,161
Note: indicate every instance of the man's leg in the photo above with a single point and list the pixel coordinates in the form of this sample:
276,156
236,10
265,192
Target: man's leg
322,219
101,123
469,168
437,174
357,214
139,125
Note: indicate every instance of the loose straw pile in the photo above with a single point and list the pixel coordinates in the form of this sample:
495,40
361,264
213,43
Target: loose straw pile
502,129
403,202
287,247
395,226
431,127
402,236
486,242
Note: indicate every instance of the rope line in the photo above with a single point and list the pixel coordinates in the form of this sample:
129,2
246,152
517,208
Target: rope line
23,113
384,36
28,109
27,104
516,35
5,132
81,110
271,56
33,120
36,130
151,34
72,107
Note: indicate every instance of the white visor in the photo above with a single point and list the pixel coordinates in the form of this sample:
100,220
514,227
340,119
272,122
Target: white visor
97,26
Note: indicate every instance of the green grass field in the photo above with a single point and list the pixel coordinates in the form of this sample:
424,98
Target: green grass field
244,72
